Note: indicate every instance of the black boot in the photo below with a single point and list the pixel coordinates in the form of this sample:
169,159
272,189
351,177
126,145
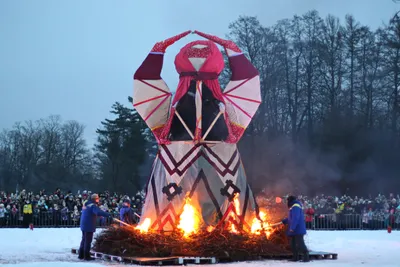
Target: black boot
87,257
295,258
306,257
80,255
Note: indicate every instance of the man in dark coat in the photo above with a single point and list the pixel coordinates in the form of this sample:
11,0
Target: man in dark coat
297,229
88,225
126,213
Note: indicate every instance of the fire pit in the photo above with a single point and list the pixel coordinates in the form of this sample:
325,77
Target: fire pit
231,238
220,243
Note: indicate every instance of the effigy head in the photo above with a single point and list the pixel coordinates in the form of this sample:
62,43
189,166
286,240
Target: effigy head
199,56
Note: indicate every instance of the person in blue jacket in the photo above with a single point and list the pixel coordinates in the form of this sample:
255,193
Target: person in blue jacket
126,213
297,229
88,225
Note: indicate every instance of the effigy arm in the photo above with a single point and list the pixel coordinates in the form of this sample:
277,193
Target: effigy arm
242,94
151,95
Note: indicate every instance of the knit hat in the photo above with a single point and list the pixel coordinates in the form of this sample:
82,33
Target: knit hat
95,197
290,200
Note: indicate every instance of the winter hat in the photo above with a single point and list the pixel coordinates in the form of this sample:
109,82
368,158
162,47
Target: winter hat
95,197
290,200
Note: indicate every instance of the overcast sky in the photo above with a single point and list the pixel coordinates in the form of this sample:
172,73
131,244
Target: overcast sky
76,58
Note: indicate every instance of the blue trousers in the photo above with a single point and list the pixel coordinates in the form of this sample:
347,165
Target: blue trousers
86,242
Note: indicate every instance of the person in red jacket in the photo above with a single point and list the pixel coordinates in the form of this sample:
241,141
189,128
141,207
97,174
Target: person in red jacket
310,212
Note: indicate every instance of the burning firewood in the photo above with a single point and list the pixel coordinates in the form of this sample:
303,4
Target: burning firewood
129,242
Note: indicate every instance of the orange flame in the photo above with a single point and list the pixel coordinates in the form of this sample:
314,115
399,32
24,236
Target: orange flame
144,227
260,225
210,228
233,228
189,220
256,226
236,203
233,216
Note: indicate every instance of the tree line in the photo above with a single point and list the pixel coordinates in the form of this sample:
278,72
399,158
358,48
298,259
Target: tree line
50,153
329,120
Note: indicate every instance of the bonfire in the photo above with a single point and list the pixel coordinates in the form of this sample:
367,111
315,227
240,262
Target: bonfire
191,238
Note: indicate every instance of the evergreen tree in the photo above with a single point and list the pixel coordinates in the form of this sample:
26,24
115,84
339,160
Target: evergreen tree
121,149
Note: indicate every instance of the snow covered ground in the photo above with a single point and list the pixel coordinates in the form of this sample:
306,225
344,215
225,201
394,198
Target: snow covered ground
51,247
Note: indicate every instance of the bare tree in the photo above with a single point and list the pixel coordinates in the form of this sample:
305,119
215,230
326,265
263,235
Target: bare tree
352,36
312,24
51,141
43,151
74,149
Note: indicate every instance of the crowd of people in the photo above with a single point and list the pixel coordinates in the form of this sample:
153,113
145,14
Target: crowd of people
60,208
345,212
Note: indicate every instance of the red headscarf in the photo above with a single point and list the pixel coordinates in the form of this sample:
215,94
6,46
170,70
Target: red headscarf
208,73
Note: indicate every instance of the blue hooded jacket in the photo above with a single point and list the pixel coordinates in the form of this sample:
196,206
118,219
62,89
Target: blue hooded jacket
295,220
126,214
89,216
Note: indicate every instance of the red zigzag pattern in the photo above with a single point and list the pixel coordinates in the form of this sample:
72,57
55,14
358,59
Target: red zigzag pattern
201,153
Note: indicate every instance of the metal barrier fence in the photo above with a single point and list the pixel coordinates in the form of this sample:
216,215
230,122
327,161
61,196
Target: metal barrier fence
354,222
319,222
48,220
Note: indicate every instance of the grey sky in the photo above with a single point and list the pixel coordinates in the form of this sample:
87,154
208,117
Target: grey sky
76,58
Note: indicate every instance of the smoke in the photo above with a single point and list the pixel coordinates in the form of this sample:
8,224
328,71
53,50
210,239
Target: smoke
367,163
283,167
375,156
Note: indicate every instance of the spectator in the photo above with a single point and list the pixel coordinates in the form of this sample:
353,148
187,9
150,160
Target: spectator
3,212
309,216
76,216
28,214
368,212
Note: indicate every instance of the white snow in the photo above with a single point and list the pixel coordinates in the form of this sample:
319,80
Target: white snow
52,247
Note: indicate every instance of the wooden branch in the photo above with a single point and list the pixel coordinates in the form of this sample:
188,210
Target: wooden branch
184,124
123,241
210,142
124,223
275,224
211,126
